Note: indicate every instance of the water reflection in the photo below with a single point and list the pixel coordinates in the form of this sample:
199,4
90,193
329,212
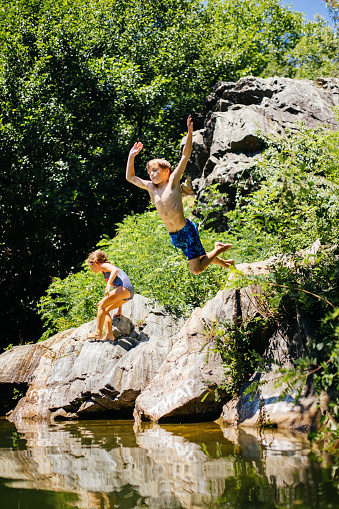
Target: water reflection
112,464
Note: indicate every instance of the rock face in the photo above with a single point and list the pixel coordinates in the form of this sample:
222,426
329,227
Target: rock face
266,408
230,142
177,391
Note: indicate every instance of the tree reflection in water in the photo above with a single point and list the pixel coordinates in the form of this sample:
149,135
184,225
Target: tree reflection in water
114,464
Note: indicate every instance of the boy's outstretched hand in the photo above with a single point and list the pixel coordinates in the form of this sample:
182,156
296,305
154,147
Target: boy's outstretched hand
137,147
189,124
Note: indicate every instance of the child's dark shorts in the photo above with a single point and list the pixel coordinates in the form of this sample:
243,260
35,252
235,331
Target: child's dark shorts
188,240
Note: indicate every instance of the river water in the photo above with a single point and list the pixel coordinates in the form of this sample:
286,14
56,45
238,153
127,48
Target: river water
113,464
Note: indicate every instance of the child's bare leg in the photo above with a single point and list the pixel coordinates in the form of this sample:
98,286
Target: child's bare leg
118,313
112,301
101,314
197,265
109,331
108,327
100,321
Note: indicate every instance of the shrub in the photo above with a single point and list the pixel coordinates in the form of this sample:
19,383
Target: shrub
297,200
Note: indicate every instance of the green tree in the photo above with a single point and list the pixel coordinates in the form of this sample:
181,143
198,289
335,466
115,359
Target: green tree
248,35
333,8
80,81
316,53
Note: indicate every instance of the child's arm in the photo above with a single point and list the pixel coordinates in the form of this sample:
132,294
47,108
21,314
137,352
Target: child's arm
130,175
186,153
108,267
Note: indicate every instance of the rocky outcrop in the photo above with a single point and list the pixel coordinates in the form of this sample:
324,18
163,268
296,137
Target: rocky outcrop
70,377
230,141
192,368
267,407
160,368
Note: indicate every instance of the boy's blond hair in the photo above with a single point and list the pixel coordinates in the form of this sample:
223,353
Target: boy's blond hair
97,257
159,163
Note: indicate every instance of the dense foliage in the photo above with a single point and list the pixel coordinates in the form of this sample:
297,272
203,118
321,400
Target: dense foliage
298,198
296,203
142,248
308,289
79,82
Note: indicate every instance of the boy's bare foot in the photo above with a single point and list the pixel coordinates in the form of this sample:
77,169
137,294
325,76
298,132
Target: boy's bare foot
94,335
222,247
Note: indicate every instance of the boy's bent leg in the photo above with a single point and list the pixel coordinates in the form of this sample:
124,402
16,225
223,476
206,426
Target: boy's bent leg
197,265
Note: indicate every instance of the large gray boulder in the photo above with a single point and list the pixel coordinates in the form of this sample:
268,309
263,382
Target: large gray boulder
230,141
192,368
182,388
70,377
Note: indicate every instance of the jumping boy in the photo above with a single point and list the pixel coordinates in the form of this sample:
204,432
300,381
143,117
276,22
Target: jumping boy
165,192
115,297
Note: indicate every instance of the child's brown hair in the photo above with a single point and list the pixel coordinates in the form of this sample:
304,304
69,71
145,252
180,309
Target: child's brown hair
159,163
97,257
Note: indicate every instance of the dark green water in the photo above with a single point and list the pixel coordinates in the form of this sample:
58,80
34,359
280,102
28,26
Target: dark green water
112,464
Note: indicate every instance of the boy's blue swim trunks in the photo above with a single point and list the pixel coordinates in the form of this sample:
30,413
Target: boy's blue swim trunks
188,240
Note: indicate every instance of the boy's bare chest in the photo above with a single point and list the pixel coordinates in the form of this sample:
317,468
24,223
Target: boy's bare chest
166,198
168,202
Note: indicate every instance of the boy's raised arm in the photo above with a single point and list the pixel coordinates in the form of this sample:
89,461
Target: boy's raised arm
130,174
186,153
